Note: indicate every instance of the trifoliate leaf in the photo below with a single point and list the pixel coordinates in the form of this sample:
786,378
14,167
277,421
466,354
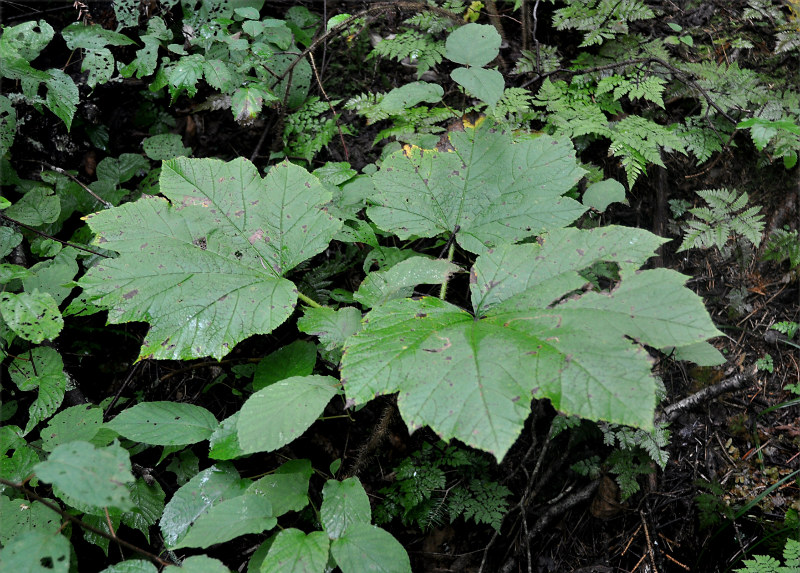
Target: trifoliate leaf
94,476
207,270
487,190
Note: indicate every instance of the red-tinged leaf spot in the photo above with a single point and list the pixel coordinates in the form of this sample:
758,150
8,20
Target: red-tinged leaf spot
131,294
239,213
257,236
101,239
581,252
308,185
349,403
515,399
421,315
143,247
201,242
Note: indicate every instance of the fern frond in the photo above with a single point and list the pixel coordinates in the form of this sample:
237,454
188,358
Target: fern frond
412,44
722,218
782,245
641,86
548,61
601,20
638,141
732,88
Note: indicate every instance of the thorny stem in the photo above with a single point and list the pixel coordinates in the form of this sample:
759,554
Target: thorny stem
450,252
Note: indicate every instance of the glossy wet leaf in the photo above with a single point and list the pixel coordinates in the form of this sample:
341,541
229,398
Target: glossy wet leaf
487,190
93,476
399,280
196,497
206,268
533,334
343,503
228,520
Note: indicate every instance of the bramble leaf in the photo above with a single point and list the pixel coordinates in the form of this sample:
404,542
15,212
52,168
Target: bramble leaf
295,552
532,334
165,423
206,270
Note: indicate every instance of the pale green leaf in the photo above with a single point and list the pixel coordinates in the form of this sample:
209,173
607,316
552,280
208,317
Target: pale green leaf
399,280
409,95
473,45
165,423
207,270
487,190
701,353
76,423
219,75
601,194
247,102
293,551
228,520
281,412
21,515
100,65
33,316
94,476
331,326
364,547
583,352
196,497
26,552
224,441
54,276
343,504
286,487
486,85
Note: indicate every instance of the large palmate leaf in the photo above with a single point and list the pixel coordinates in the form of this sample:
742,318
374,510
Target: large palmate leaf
533,334
206,268
487,190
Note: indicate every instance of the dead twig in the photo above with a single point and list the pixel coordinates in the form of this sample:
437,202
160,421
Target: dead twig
735,382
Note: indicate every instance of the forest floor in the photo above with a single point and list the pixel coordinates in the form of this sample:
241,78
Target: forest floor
721,490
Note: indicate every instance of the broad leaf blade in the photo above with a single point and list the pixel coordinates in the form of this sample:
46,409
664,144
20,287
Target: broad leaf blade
206,271
364,547
228,520
281,412
165,423
399,280
293,551
488,191
472,378
344,503
196,497
94,476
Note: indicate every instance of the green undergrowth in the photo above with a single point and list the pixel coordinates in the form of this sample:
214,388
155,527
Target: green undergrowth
469,271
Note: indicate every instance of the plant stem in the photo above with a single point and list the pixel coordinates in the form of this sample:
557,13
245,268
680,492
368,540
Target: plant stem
450,252
309,301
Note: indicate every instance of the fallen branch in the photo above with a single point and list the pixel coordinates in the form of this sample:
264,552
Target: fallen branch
735,382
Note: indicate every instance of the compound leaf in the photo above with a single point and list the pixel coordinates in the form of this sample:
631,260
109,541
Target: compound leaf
488,191
206,270
533,333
